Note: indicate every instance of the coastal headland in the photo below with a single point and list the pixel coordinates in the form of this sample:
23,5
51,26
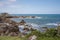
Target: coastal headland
9,27
12,28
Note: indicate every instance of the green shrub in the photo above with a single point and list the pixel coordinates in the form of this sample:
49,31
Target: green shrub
51,32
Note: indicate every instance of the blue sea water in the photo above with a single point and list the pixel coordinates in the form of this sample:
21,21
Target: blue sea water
45,20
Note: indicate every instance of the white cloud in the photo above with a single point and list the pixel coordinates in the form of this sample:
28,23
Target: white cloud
6,2
14,6
12,0
1,4
27,9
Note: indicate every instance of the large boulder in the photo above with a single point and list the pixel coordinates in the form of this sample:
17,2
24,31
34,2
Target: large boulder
22,22
8,29
3,28
12,30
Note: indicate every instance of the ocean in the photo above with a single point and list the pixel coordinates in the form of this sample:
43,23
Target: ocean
45,20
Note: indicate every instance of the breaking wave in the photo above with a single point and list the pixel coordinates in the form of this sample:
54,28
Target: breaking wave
54,24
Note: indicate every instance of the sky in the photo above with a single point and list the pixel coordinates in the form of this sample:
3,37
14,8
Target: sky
30,6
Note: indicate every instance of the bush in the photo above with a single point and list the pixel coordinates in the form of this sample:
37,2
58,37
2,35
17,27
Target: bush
35,32
51,32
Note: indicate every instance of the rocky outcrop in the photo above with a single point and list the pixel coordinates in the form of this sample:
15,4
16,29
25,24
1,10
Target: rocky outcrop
7,30
4,14
22,22
3,28
8,27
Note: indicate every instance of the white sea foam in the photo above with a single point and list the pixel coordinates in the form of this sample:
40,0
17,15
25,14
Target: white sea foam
21,26
35,26
55,24
36,17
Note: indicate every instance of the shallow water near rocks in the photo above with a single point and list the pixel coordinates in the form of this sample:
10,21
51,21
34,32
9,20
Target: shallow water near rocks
45,20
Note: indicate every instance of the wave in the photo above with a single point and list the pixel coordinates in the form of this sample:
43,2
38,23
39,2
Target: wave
34,26
37,27
36,17
54,24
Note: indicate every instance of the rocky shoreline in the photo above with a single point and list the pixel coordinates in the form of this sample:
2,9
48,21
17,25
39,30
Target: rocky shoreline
9,27
6,15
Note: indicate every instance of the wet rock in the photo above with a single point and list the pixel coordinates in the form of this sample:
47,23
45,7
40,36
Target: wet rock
22,22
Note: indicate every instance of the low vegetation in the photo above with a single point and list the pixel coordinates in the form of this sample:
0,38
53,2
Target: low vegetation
50,34
18,38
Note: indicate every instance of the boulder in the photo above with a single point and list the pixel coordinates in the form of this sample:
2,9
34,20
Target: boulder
22,22
3,28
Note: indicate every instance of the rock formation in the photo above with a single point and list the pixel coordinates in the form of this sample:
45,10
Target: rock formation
7,26
22,22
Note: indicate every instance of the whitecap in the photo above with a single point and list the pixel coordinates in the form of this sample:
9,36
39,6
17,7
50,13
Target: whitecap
35,26
55,24
38,17
21,26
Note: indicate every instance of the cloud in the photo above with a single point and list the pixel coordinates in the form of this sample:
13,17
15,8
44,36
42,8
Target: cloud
16,10
6,2
24,9
13,6
1,4
12,0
